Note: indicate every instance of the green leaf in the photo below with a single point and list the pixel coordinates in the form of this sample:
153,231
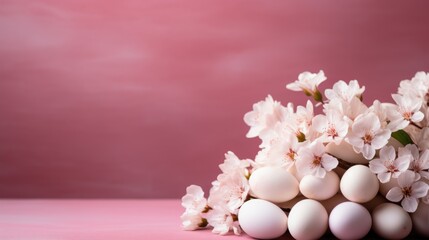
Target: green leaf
402,137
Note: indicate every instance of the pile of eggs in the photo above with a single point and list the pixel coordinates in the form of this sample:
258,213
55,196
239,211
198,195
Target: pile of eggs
348,203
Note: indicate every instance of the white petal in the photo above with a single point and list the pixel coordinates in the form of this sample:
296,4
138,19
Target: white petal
410,204
417,116
397,124
388,153
377,166
381,139
394,194
368,151
320,123
329,162
294,86
384,177
356,141
406,179
402,163
420,189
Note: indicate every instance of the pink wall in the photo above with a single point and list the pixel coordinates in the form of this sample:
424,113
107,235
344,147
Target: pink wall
142,98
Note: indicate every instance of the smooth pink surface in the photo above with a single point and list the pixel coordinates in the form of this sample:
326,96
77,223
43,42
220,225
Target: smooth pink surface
96,220
142,98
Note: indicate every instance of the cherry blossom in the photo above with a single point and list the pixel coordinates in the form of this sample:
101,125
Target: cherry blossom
419,161
265,114
345,92
366,135
332,126
388,165
229,191
194,199
233,164
409,191
223,221
192,221
313,160
408,110
307,82
417,87
194,203
282,153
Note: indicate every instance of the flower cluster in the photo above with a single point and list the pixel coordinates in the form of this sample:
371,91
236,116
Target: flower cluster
391,138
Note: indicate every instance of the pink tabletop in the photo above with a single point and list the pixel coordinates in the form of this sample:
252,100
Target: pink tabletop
96,219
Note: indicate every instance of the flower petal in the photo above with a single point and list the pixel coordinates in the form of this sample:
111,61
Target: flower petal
377,166
368,151
420,189
395,194
384,177
417,116
410,204
406,179
329,162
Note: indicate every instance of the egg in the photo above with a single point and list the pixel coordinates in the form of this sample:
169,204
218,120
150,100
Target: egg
273,184
262,219
359,184
320,188
307,219
421,219
345,152
391,221
350,220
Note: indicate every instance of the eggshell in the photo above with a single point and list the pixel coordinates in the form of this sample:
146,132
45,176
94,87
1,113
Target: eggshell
391,221
273,184
421,219
345,152
359,184
308,219
350,220
262,219
320,188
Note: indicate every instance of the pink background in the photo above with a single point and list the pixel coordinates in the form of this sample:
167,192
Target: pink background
142,98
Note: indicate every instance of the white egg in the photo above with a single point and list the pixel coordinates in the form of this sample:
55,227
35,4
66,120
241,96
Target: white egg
262,219
320,188
345,152
307,219
391,221
421,219
359,184
273,184
350,220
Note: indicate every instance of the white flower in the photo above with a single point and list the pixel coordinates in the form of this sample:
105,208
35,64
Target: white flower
332,126
366,135
409,191
282,153
194,203
304,116
192,221
307,82
222,221
417,87
194,199
229,191
233,164
313,160
345,92
408,110
265,114
387,166
419,162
